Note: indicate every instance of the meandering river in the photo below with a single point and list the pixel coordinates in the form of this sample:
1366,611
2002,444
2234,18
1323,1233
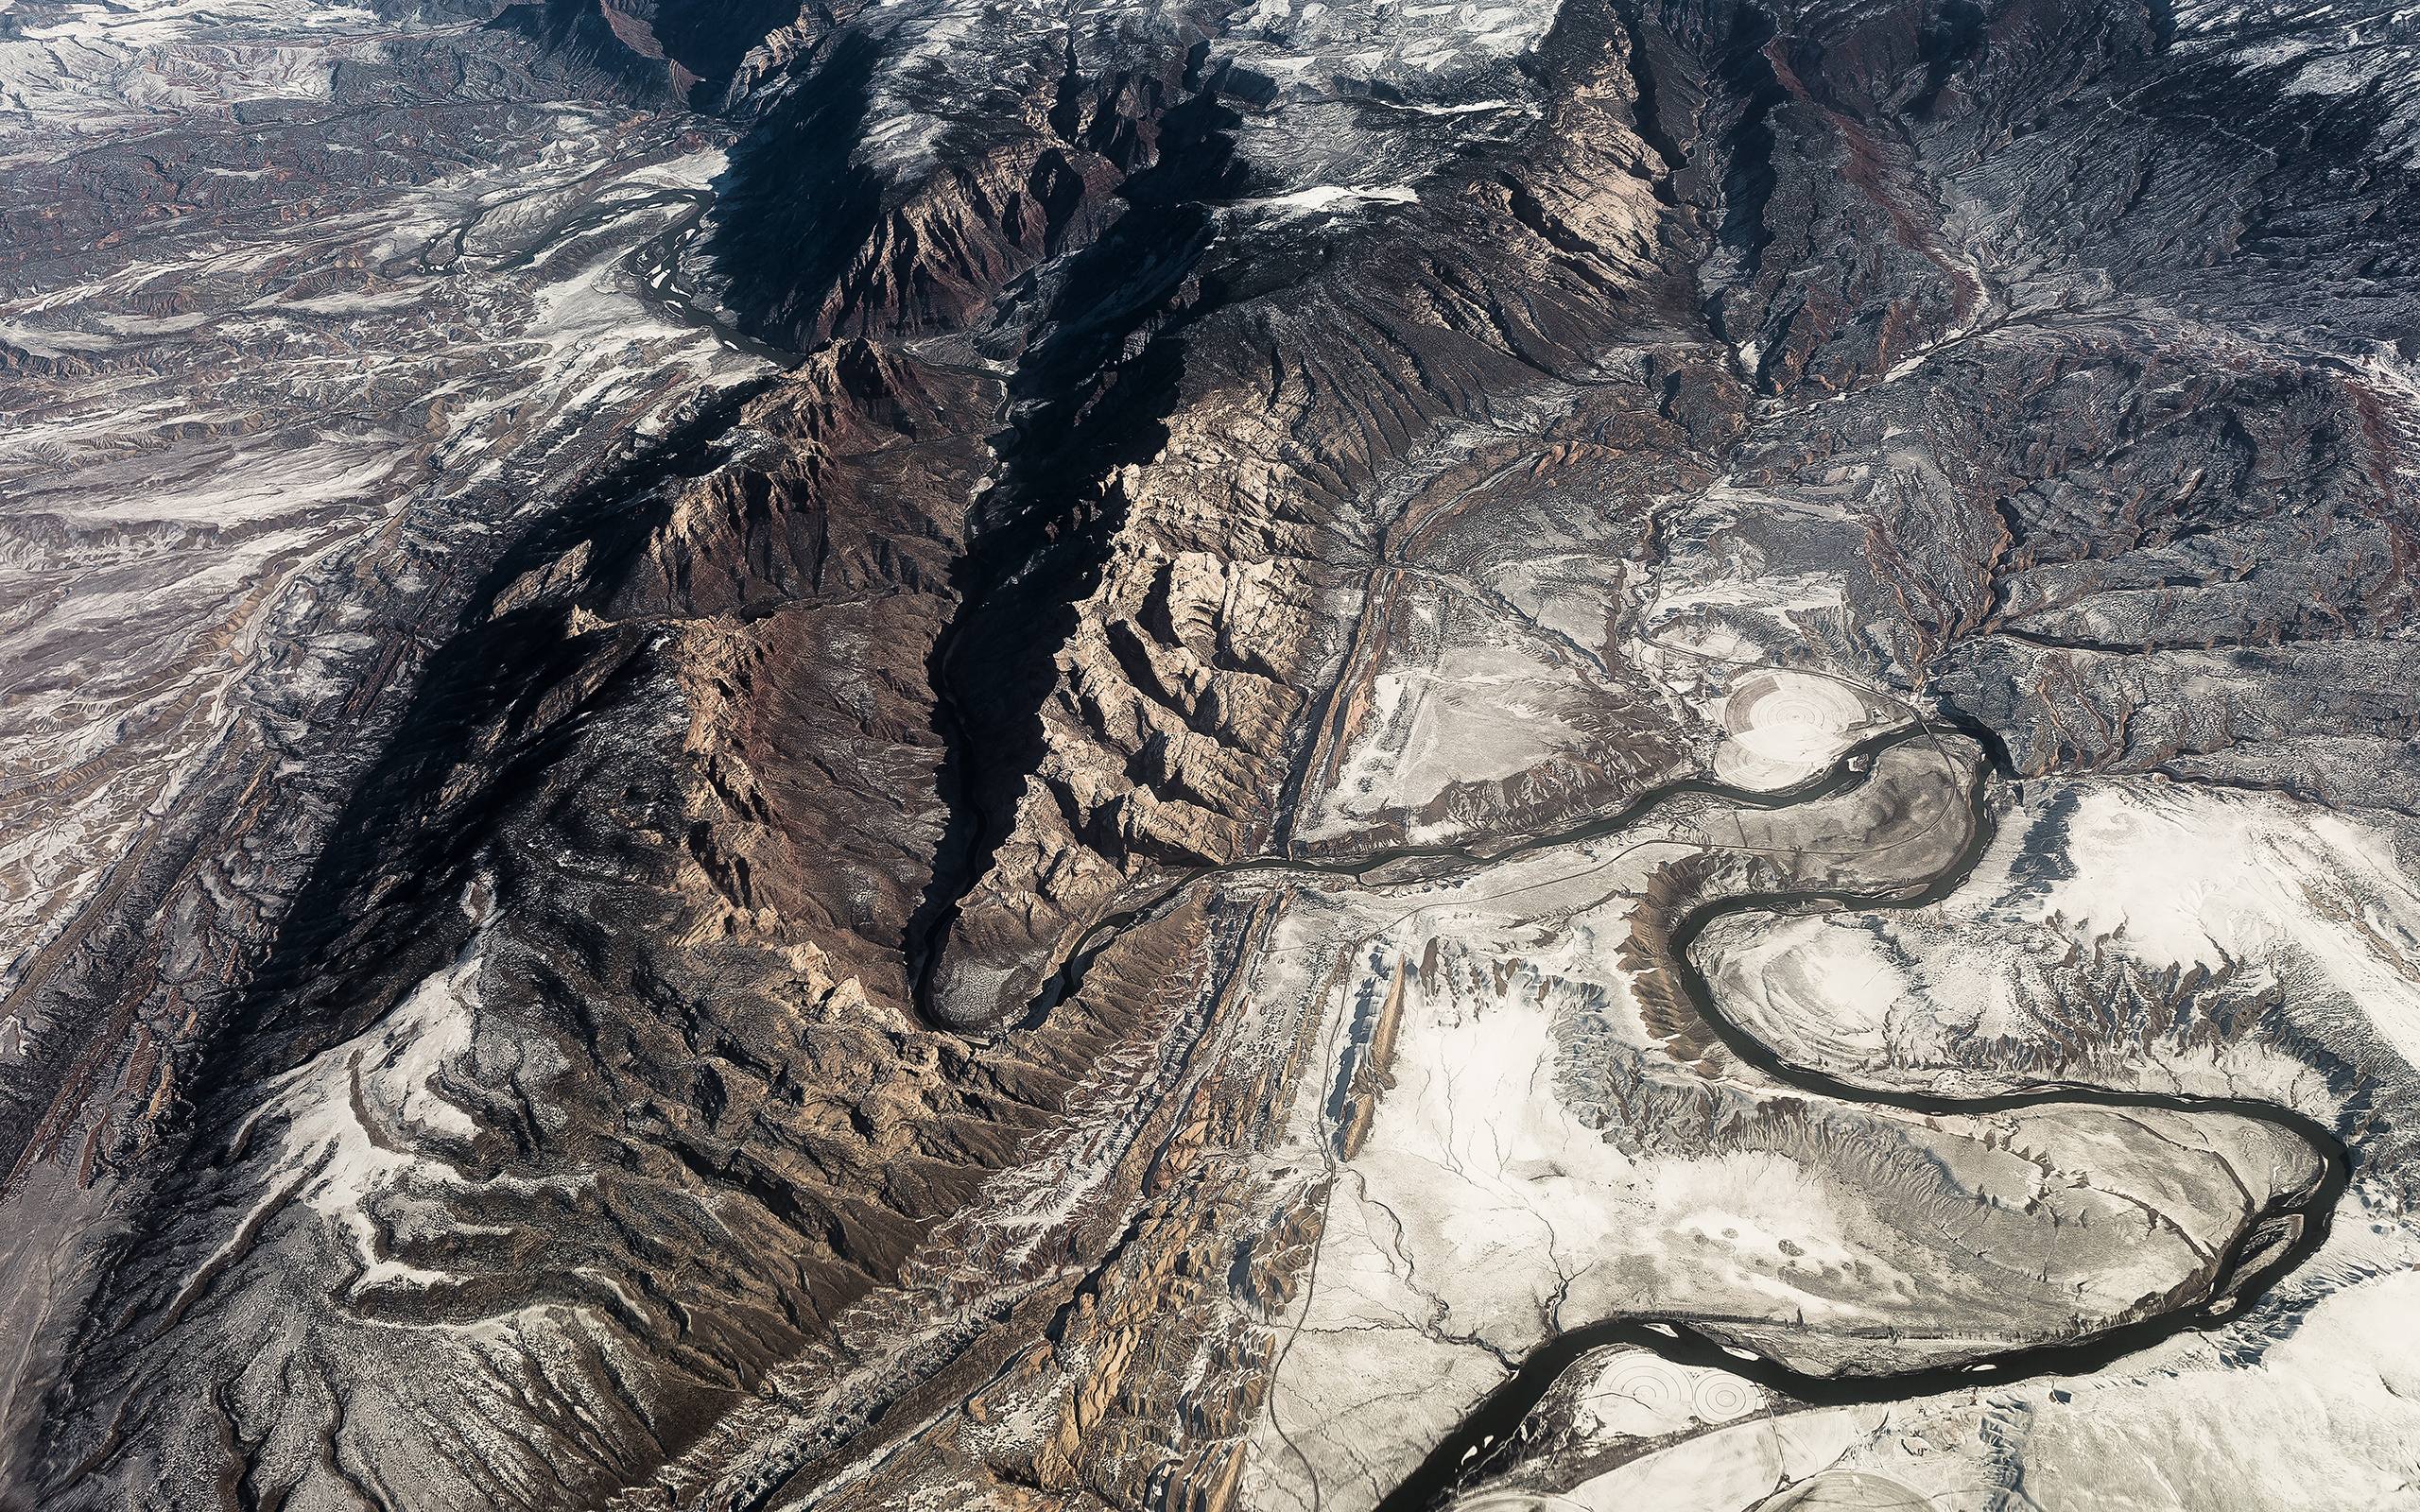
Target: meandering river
2253,1263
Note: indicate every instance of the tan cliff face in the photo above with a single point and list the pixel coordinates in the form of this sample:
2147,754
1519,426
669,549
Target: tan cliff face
1203,756
1176,726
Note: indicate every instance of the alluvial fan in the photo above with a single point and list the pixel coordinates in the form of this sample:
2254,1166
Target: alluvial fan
1170,755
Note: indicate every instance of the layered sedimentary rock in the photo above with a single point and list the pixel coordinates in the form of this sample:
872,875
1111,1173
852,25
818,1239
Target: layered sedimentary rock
1192,756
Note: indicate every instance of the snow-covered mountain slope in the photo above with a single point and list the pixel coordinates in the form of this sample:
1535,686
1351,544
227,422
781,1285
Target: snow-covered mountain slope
1171,754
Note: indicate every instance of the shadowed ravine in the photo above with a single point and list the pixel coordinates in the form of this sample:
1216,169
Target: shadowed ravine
712,717
1474,1444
